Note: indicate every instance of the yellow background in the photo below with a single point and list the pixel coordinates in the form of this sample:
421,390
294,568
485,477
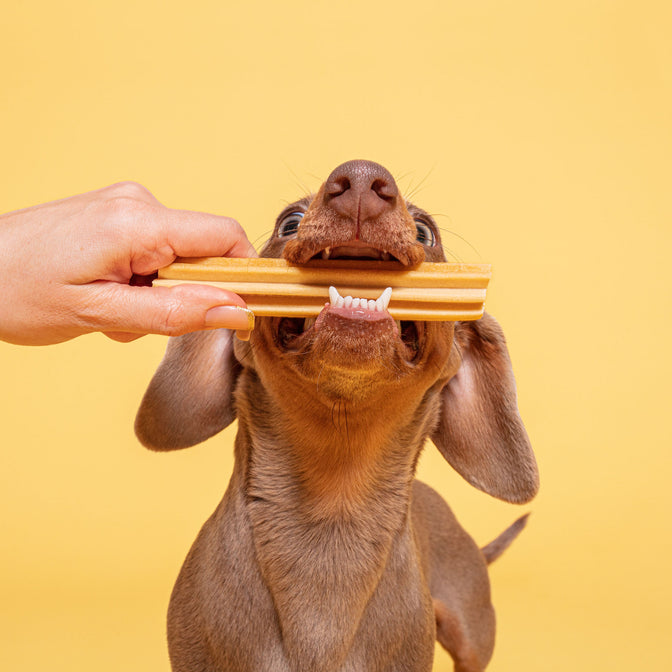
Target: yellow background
539,133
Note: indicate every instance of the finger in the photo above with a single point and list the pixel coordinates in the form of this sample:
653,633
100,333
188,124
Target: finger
116,308
197,234
158,235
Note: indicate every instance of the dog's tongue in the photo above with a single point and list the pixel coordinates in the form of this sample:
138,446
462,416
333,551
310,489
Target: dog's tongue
353,308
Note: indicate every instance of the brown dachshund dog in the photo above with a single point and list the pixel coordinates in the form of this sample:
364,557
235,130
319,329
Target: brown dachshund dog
325,554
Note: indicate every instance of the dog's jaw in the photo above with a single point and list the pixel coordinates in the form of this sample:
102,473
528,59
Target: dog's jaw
349,356
350,352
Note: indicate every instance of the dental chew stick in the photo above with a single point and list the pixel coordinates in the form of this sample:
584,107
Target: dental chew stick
273,287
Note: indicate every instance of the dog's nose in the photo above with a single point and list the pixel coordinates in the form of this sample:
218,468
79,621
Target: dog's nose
360,190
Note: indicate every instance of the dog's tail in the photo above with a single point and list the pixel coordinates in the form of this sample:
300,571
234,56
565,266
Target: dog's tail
497,546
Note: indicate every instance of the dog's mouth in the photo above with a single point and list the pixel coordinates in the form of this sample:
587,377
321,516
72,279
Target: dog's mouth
367,318
354,251
290,330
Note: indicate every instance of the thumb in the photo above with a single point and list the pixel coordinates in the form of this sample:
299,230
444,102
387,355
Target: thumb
126,312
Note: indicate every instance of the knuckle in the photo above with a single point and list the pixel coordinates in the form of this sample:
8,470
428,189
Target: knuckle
123,211
173,321
130,189
125,206
127,201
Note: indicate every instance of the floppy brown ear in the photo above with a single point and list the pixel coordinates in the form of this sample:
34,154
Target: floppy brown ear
190,397
480,431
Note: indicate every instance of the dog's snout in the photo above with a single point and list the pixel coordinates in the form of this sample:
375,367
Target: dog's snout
358,205
360,190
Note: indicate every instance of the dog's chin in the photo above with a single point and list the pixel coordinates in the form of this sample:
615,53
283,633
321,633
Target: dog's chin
350,338
346,348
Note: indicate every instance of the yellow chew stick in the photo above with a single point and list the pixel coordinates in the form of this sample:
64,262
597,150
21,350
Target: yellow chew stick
272,287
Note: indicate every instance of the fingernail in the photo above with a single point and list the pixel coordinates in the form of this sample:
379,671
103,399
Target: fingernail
243,335
230,317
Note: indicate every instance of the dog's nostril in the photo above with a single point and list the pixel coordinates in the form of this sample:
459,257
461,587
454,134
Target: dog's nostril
383,189
360,190
380,186
337,186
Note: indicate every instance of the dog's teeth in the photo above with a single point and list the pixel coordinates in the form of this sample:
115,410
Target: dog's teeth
384,298
385,256
326,253
380,304
334,296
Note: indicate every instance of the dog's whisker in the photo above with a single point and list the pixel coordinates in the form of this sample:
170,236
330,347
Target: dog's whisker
258,242
413,191
454,234
336,407
298,181
347,427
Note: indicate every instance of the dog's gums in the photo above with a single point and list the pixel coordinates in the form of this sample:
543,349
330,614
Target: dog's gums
355,251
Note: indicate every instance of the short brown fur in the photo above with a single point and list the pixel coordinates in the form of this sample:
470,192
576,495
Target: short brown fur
325,555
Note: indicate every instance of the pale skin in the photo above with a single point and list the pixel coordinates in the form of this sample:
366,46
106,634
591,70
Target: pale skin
66,269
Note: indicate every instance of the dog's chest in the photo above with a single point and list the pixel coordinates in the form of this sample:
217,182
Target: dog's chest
343,604
345,593
345,584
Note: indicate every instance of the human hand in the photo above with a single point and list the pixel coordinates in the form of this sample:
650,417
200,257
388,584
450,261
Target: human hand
65,269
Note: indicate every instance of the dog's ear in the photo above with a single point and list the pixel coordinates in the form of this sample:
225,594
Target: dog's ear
480,431
190,397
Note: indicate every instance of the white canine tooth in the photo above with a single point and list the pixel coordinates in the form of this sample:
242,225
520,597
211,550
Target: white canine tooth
372,305
326,253
379,305
348,301
334,296
384,298
340,303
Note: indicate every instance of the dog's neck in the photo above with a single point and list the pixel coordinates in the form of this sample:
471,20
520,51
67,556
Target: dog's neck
339,458
328,489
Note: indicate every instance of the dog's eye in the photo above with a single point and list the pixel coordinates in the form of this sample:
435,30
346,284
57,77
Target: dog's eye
289,224
425,233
